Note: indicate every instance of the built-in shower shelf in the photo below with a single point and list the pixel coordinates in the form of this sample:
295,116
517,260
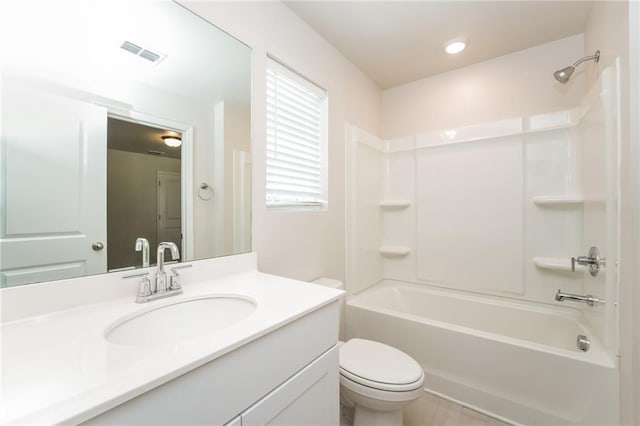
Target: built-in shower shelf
556,264
394,251
558,200
394,204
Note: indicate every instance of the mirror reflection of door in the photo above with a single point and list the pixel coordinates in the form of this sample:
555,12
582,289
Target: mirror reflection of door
143,191
52,200
169,226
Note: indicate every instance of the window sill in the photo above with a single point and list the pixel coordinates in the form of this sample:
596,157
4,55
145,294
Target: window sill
296,208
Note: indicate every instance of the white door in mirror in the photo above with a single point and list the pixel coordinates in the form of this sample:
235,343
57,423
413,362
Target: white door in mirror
169,203
54,201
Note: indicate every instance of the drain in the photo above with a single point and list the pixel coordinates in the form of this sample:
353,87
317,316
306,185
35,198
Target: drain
583,342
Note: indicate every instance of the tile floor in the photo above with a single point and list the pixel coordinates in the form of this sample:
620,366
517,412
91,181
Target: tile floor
431,410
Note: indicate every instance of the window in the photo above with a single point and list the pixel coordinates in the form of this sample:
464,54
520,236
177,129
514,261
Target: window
296,141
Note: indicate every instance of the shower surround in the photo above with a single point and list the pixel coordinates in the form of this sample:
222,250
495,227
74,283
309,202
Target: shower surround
493,212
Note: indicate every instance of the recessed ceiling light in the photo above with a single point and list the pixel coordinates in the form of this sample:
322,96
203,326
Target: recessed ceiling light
454,46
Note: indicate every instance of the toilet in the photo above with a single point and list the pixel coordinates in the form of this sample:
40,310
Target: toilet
377,380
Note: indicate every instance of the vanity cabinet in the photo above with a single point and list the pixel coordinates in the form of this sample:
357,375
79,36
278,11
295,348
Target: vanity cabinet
308,398
288,376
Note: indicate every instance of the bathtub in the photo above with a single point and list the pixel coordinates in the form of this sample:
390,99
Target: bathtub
513,360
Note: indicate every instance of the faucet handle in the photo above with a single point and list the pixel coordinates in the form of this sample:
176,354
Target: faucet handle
144,286
593,261
174,279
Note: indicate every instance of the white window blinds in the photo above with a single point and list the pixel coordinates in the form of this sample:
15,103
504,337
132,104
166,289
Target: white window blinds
296,159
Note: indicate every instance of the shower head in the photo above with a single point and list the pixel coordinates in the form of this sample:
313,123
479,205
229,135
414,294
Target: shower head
564,74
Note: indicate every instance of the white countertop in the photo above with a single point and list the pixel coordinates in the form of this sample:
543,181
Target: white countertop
58,367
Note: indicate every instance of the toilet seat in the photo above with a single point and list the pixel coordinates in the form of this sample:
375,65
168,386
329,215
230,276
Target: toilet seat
375,365
386,387
381,396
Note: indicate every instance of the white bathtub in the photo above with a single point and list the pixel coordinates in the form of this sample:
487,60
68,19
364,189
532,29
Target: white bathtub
511,359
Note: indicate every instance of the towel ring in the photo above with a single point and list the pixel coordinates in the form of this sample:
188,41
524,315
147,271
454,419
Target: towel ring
205,192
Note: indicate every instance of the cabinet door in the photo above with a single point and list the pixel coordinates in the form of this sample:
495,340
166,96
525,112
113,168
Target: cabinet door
311,397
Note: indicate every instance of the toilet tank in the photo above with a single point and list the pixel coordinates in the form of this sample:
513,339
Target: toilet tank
337,284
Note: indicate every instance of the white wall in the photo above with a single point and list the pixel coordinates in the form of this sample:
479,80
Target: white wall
514,85
365,181
310,244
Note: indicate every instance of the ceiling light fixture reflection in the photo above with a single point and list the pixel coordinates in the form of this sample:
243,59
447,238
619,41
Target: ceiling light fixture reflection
454,46
172,141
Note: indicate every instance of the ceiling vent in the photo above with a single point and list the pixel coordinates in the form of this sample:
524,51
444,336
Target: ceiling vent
142,52
130,47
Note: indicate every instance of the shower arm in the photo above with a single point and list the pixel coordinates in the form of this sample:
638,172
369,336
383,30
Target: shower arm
587,58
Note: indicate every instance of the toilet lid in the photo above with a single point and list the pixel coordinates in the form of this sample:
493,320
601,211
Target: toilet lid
378,363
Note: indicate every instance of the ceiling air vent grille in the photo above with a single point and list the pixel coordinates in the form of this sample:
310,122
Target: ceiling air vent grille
130,47
149,55
142,52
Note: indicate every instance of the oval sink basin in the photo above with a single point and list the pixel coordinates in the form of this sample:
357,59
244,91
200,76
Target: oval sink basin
181,321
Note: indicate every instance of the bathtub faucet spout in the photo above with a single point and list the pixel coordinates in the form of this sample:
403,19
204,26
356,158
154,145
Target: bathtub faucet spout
588,299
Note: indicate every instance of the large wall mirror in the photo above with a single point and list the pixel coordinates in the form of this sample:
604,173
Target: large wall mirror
120,121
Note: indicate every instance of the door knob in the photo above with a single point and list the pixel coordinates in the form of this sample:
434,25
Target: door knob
97,246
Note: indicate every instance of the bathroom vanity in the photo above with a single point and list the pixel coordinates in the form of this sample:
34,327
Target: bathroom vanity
63,361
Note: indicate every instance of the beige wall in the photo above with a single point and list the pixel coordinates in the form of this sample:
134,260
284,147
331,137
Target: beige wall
509,86
131,204
311,244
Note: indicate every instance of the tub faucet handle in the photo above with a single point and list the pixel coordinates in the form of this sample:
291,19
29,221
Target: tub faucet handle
592,260
580,260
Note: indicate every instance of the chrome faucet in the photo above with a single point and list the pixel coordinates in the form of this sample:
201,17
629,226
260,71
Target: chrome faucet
588,299
148,290
142,244
161,275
